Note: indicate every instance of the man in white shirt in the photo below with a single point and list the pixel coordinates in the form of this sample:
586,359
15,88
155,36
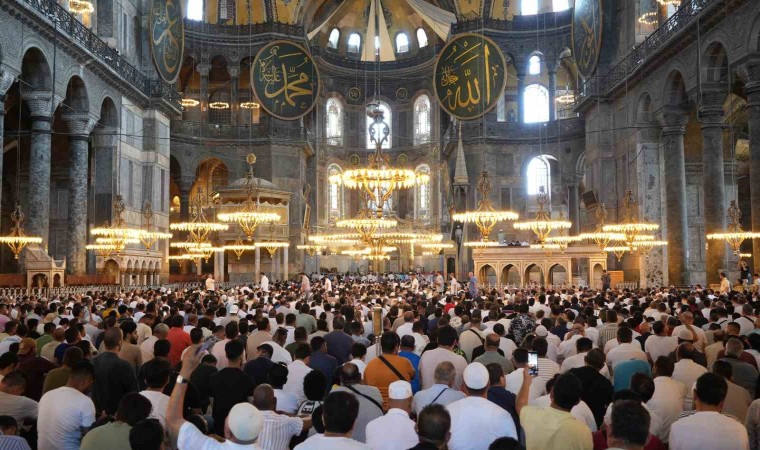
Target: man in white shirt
659,344
210,283
277,429
687,371
475,412
297,371
626,349
65,413
447,338
394,430
146,348
264,282
725,284
514,380
687,320
339,414
669,394
328,284
442,391
156,373
708,429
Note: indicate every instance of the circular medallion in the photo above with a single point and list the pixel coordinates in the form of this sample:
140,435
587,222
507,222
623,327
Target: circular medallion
285,80
402,159
354,93
470,75
401,94
167,38
587,35
354,159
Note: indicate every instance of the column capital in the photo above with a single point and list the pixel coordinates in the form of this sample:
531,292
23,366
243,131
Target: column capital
79,124
6,81
203,69
105,137
673,121
234,71
185,184
39,103
711,105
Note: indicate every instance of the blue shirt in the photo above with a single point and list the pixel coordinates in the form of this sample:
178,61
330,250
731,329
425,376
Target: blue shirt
473,287
415,360
625,370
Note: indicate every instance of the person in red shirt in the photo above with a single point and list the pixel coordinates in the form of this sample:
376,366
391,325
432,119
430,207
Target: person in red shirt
178,338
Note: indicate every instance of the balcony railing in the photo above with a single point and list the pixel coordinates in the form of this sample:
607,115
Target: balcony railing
543,21
259,131
67,24
200,27
634,61
556,129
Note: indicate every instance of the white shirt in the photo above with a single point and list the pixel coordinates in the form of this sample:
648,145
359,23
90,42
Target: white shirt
361,365
63,412
297,371
708,431
507,346
286,402
687,371
667,401
160,402
657,346
430,360
328,285
322,442
394,430
210,284
701,338
625,352
477,413
191,437
279,354
277,431
514,381
442,394
264,283
404,329
581,411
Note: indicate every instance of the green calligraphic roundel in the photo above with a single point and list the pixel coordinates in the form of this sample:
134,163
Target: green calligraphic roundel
587,35
470,75
167,37
285,80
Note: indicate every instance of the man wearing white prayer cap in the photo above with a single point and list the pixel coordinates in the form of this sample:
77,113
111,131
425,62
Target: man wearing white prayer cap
395,429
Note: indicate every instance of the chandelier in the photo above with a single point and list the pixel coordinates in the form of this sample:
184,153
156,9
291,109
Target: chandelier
600,237
436,248
189,102
80,7
251,216
272,246
219,105
17,240
675,3
117,235
199,228
542,225
311,249
745,255
649,18
644,247
379,179
366,225
149,235
549,247
485,217
618,250
562,239
630,227
249,105
734,235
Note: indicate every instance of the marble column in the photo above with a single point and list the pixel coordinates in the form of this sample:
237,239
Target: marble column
552,94
204,70
38,213
257,264
79,127
275,261
711,114
185,186
753,106
673,131
234,102
6,81
653,272
520,105
219,266
285,268
573,206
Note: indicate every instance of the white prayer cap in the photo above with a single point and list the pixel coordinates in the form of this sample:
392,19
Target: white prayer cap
399,390
476,376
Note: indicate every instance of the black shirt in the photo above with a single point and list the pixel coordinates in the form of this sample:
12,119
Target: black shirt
114,378
258,369
506,400
229,387
201,378
597,391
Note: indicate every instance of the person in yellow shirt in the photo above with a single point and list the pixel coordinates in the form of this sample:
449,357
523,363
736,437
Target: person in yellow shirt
553,427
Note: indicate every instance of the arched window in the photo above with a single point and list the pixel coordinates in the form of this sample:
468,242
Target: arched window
528,7
402,43
422,40
334,195
334,122
387,205
332,42
534,65
536,103
195,9
227,10
379,129
354,43
422,196
377,45
422,120
560,5
539,175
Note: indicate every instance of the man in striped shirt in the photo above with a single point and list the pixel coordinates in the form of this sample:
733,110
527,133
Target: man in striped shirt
609,330
278,429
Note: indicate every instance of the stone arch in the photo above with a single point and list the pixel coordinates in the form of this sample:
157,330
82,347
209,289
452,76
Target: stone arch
674,90
534,273
715,64
487,274
558,274
644,110
109,113
510,275
753,45
35,71
77,99
596,274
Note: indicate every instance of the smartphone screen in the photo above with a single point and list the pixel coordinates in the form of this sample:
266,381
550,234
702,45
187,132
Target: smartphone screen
533,363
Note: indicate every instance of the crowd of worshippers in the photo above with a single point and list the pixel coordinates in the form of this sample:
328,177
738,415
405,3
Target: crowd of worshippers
298,365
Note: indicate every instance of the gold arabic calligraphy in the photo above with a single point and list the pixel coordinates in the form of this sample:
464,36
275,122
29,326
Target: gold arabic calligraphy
288,81
167,36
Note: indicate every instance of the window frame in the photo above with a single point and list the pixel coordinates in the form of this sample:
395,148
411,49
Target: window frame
528,7
349,47
333,43
422,136
530,115
334,130
196,5
388,119
403,35
424,42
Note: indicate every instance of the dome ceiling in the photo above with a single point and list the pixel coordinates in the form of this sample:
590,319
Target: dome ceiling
357,17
